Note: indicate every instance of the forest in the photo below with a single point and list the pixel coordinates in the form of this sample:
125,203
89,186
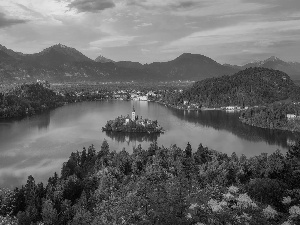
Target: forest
249,87
28,99
273,116
161,185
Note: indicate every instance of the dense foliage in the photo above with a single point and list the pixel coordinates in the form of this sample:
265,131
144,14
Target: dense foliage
162,186
273,116
250,87
28,99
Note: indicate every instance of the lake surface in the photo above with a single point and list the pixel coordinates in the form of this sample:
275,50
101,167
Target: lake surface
40,144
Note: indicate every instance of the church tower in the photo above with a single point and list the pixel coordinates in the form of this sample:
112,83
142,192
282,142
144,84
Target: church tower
133,114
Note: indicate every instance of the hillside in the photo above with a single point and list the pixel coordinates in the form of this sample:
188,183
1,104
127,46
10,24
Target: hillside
274,116
129,64
253,86
57,55
11,52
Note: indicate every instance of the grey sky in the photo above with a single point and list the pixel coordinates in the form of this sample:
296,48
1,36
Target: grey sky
229,31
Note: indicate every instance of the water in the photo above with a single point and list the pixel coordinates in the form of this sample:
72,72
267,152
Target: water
40,144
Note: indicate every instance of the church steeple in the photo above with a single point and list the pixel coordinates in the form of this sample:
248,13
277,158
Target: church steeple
133,114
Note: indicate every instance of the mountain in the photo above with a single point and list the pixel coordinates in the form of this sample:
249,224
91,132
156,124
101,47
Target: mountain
291,68
57,55
249,87
102,59
190,67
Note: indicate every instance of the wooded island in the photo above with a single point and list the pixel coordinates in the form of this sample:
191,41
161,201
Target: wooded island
135,124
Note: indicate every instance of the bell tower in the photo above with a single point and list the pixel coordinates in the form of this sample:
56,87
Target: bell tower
133,114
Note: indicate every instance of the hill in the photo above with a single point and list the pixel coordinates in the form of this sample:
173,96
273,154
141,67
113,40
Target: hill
28,99
249,87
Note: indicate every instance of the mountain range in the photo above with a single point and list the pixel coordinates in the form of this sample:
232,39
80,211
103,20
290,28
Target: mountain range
291,68
60,63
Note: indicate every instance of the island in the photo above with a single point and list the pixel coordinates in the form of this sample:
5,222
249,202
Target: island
135,124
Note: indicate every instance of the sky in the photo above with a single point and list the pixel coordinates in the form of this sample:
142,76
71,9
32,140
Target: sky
228,31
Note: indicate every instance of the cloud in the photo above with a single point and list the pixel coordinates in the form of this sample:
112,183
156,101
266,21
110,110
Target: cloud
30,11
169,4
144,50
143,25
262,33
92,6
7,22
113,41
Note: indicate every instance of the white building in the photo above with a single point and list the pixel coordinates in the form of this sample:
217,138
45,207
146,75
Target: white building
133,114
291,116
230,107
143,98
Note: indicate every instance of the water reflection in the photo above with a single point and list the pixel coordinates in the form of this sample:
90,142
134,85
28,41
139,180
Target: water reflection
132,137
221,120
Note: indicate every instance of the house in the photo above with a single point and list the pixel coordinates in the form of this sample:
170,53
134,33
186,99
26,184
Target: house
230,107
185,102
291,116
127,119
143,98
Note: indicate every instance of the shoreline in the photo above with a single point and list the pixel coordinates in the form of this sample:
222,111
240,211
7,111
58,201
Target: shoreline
199,109
264,127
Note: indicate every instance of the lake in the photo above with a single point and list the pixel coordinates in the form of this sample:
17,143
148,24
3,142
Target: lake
40,144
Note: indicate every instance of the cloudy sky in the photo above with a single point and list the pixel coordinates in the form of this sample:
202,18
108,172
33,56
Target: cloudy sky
229,31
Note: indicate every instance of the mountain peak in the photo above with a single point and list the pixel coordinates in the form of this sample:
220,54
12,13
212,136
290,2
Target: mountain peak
273,59
10,52
60,46
190,55
102,59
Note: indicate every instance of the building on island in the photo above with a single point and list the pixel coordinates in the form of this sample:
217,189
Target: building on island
133,114
134,124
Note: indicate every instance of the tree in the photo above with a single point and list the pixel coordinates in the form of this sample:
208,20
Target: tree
202,155
188,150
49,213
294,151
